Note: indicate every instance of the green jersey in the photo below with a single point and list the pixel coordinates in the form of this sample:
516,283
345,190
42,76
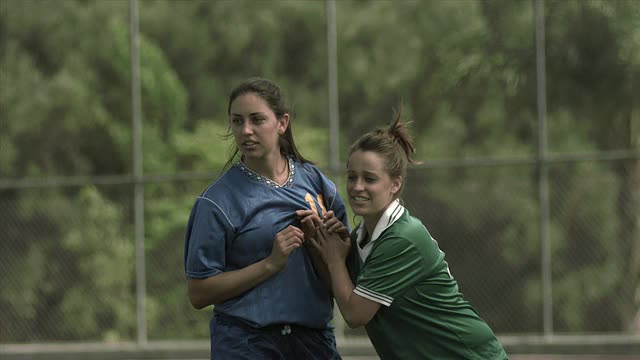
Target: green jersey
423,314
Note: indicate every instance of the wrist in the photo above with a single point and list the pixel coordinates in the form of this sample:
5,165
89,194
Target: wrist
270,267
335,265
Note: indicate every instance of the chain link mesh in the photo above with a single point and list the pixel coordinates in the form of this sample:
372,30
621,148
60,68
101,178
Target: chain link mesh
68,252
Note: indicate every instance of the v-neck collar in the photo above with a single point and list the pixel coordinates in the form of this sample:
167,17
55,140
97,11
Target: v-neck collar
265,180
391,214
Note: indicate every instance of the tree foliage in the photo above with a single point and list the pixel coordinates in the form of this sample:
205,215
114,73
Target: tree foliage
464,71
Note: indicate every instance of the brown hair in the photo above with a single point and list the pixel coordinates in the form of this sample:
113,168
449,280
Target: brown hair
393,144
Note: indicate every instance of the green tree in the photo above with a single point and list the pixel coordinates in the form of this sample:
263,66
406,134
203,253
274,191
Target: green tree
464,70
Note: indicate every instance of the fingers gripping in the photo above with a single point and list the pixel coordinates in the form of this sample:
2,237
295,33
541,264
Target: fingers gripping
289,239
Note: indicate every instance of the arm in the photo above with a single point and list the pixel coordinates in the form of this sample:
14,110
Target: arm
309,223
356,310
224,286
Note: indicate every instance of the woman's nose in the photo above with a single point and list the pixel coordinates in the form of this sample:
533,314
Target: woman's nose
357,185
246,127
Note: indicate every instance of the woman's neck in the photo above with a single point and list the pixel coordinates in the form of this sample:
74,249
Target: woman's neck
371,221
276,169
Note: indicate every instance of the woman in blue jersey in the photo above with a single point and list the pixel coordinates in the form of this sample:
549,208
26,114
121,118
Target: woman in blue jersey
390,275
244,250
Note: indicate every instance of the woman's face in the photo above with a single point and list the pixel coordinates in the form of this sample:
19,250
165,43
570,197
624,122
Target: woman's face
255,127
369,186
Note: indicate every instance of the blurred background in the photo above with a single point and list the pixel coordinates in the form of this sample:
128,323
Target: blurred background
525,114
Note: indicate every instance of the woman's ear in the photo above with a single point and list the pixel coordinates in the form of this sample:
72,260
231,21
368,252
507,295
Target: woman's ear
396,184
283,124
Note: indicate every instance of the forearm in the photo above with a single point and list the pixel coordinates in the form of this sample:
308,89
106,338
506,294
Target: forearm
224,286
342,288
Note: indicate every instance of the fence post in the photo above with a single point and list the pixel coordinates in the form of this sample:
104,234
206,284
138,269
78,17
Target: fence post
543,181
334,122
138,197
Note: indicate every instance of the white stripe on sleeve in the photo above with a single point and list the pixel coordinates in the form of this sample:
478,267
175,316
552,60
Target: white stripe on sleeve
373,296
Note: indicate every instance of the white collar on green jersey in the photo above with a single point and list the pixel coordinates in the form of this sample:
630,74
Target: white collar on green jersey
390,215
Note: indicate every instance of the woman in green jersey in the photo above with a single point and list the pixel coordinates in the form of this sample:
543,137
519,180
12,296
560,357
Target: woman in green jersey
390,274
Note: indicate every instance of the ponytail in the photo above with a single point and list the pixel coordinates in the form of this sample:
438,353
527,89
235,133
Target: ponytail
398,131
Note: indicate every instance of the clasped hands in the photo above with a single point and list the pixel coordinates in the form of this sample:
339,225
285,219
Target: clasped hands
328,235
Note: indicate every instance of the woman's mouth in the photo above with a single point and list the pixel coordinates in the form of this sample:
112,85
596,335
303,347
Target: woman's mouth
249,144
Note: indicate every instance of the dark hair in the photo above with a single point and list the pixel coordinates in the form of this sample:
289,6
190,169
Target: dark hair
393,144
270,92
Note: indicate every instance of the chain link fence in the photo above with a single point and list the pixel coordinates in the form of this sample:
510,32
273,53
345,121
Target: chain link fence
68,252
541,247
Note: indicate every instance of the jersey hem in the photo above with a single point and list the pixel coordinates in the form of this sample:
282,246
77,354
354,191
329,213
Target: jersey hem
202,275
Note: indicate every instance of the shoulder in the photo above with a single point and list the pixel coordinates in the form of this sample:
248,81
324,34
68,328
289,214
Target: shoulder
308,168
313,174
223,193
409,232
222,186
221,198
409,227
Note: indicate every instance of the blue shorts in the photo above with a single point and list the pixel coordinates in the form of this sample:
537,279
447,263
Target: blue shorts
233,339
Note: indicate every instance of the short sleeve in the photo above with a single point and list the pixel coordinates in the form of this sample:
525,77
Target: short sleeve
205,240
394,265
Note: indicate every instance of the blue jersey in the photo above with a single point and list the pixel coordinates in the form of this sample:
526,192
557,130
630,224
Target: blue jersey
233,225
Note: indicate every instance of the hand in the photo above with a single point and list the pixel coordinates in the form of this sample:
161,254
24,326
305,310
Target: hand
334,225
284,243
309,222
331,246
